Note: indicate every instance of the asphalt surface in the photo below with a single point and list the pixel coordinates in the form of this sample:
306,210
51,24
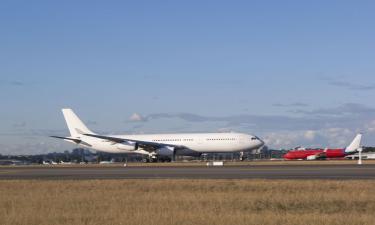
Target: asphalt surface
339,172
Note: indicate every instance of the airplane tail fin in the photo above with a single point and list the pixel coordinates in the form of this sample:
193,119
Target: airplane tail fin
76,127
355,145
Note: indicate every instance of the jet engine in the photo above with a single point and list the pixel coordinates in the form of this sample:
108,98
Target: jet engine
165,151
311,157
127,146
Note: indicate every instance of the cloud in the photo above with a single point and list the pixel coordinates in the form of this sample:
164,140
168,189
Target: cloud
252,122
16,83
296,104
349,109
352,86
370,126
12,83
293,138
224,130
184,116
281,139
340,82
338,137
19,124
335,137
136,117
91,123
309,135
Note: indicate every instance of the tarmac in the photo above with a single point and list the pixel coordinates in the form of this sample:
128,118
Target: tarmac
336,172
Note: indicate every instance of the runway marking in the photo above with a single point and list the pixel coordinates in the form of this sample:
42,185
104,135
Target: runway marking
347,172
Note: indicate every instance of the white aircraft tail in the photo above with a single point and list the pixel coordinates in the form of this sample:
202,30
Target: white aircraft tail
355,145
75,125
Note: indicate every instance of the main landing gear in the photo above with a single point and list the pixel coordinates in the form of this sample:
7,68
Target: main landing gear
153,158
242,156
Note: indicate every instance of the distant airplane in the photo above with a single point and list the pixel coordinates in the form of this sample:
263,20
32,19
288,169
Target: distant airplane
156,145
49,162
312,154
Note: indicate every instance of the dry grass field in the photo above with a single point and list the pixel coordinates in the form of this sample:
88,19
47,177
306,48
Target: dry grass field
165,202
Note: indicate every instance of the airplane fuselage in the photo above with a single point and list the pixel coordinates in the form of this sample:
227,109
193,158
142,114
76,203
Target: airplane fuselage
192,143
318,153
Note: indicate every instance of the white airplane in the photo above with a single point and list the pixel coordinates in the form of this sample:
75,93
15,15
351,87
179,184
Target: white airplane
49,162
155,145
65,163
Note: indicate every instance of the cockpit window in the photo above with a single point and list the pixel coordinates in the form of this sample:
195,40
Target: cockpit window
254,138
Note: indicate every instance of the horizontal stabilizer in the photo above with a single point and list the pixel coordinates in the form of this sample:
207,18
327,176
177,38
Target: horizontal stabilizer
75,140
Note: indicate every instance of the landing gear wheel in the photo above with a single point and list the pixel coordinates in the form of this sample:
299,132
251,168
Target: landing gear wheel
173,159
153,160
145,160
242,158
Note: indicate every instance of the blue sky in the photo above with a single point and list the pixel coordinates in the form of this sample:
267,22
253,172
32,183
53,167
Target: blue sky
292,72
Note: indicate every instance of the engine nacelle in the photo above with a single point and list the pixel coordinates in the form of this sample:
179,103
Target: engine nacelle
311,157
166,151
127,146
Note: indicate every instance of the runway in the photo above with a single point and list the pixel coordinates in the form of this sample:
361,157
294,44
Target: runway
338,172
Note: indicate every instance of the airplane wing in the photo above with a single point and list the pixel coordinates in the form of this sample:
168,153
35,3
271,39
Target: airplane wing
145,145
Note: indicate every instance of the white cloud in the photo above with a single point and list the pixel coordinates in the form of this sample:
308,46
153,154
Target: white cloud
338,137
137,118
370,127
282,139
310,135
331,137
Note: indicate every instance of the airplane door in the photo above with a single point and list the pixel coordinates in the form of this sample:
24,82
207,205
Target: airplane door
241,141
198,143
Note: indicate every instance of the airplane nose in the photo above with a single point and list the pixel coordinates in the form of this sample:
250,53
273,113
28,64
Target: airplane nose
287,156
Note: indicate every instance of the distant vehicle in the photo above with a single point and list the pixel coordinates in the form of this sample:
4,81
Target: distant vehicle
65,163
367,155
158,145
313,154
107,162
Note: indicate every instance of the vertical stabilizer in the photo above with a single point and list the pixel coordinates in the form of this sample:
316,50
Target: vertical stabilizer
355,145
75,125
